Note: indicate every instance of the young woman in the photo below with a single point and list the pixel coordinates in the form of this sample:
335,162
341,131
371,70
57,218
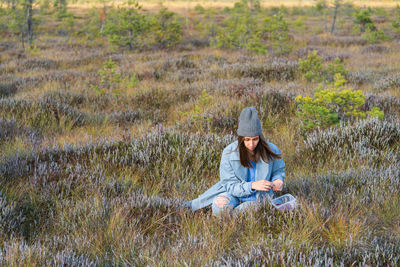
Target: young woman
251,169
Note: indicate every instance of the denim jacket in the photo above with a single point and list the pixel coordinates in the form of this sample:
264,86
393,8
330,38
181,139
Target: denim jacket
233,176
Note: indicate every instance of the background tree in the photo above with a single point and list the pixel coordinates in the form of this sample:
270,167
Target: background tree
127,27
29,23
336,5
21,21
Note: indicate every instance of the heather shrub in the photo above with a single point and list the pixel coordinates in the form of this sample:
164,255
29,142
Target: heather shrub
143,156
35,63
388,104
341,41
7,89
275,69
9,130
329,106
375,49
379,251
11,219
43,116
370,139
125,117
386,82
305,51
237,87
362,76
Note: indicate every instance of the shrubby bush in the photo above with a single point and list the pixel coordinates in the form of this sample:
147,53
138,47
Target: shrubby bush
245,29
329,106
366,26
313,69
375,36
363,19
127,27
240,30
396,23
165,29
275,31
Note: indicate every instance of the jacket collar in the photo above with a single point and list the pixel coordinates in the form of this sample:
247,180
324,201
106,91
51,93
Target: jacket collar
262,167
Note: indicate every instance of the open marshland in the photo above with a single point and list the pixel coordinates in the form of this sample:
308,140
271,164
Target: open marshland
112,116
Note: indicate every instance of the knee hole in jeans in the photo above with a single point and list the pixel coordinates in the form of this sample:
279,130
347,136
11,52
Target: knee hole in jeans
221,201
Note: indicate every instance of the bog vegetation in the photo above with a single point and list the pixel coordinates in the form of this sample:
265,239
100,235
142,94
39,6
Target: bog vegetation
111,116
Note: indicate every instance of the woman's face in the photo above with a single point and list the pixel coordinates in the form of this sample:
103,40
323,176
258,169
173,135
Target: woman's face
251,142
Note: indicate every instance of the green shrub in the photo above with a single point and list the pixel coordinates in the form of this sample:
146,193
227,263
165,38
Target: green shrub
329,106
336,67
396,22
199,9
363,19
93,28
311,67
126,27
196,117
111,82
61,9
240,30
374,36
244,29
166,29
109,79
276,31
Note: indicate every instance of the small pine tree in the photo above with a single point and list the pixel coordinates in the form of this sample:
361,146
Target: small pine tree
166,29
329,106
275,31
126,27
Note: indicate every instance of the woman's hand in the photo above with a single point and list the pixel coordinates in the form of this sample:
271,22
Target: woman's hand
261,185
277,185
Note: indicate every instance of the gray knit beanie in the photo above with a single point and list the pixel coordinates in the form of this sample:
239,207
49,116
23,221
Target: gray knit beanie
249,123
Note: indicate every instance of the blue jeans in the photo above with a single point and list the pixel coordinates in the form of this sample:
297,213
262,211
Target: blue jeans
233,203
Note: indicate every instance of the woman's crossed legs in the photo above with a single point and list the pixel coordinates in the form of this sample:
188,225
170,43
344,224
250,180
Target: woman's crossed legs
225,201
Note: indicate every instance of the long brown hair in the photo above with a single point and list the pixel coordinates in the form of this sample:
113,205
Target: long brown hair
262,150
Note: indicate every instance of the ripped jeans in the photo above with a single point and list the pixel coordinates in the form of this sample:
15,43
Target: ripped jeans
226,201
